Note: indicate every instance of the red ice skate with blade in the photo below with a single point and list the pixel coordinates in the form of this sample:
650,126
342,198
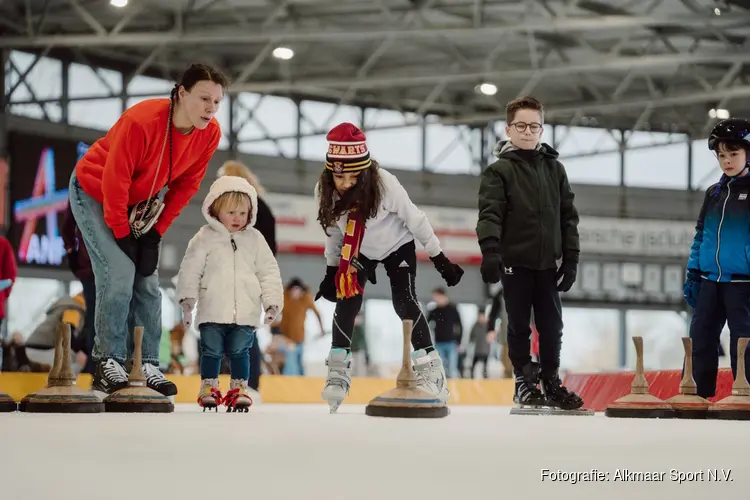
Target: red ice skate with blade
237,399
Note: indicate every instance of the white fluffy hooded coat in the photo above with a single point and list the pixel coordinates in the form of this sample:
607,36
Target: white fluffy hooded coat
233,276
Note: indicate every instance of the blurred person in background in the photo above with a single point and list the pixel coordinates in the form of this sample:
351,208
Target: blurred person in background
40,345
178,361
297,301
499,337
80,265
368,219
8,275
115,196
446,325
14,357
265,222
480,340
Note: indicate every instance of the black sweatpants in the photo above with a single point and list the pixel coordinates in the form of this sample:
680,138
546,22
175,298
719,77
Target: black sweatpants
527,289
401,268
718,304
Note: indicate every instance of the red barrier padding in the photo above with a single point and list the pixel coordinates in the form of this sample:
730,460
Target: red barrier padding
599,390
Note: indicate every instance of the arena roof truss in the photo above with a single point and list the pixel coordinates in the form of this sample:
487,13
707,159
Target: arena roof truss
652,65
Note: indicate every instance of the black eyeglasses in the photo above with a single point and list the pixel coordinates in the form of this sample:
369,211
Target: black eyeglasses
521,127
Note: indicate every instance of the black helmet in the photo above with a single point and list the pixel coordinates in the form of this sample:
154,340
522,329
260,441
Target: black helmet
732,130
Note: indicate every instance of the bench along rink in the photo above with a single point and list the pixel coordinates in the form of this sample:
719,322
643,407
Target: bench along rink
302,452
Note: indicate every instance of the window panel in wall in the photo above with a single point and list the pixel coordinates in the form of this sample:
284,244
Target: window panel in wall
149,85
53,111
598,169
280,147
313,148
85,81
320,117
99,114
396,144
43,81
575,141
452,149
706,170
657,167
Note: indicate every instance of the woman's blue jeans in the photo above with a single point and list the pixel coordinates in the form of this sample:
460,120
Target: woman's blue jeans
124,299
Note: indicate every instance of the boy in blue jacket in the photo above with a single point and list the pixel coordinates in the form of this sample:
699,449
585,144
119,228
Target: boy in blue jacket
718,271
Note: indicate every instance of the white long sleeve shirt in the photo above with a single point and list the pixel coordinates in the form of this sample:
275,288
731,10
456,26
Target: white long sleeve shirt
397,222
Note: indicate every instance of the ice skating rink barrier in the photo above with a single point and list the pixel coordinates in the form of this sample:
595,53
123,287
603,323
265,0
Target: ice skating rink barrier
281,389
598,390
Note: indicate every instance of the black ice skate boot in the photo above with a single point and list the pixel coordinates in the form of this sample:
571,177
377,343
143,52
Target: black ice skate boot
557,395
156,380
527,390
109,377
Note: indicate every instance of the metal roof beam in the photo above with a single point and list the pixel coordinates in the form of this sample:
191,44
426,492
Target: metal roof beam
736,92
224,36
604,64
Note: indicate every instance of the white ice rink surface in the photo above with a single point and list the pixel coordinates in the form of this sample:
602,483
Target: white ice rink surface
301,452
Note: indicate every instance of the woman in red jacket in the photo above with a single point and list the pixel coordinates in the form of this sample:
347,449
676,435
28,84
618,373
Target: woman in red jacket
115,199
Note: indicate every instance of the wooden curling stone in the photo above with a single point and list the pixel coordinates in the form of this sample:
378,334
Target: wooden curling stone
687,404
61,394
406,400
7,403
736,406
639,403
137,397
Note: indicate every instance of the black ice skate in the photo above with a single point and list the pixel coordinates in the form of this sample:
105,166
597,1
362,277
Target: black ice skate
553,399
109,377
557,395
527,392
155,380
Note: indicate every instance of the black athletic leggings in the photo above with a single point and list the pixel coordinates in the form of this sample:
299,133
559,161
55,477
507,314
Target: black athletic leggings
401,268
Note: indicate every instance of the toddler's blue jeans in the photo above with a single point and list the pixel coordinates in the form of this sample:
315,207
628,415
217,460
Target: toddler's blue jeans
220,339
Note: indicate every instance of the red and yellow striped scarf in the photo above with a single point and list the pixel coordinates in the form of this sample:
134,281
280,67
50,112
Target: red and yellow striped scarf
347,284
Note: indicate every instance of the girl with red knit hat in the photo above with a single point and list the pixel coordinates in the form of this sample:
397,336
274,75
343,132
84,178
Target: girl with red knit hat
115,197
369,219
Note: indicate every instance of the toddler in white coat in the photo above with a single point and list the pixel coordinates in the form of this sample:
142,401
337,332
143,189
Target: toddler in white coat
231,273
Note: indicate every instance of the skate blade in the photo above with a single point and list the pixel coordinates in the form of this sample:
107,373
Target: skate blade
334,406
548,411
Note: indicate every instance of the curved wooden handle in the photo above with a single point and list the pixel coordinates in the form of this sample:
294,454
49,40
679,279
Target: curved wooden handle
639,384
406,375
741,386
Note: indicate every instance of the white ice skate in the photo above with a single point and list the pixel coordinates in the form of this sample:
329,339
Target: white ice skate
339,364
430,374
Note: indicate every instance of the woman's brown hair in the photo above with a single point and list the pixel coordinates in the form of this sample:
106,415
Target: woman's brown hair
366,195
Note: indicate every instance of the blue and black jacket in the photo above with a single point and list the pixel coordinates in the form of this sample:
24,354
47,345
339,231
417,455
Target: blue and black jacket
721,246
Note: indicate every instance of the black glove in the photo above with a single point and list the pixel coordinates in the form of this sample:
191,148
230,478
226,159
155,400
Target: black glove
692,288
450,272
129,245
568,271
363,271
327,288
148,253
492,263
